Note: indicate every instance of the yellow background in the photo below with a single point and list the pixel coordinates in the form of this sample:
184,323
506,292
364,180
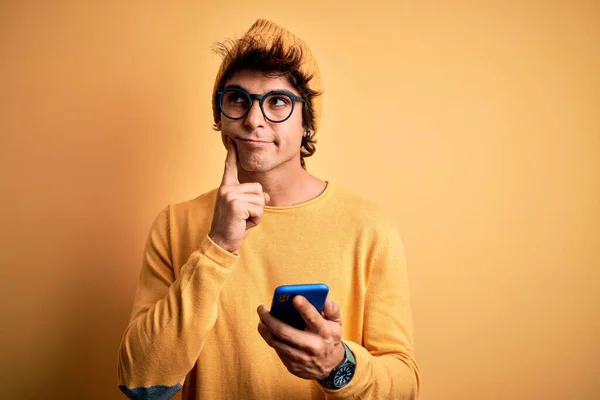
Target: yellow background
476,124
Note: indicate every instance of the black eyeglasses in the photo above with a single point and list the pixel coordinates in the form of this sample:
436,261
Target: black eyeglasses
276,106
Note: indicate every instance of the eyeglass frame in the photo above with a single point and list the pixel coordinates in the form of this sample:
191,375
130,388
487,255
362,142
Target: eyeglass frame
260,98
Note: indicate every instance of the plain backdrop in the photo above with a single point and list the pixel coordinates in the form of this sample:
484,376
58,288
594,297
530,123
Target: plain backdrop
475,124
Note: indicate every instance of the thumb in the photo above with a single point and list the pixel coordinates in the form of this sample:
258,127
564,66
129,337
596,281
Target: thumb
331,312
267,197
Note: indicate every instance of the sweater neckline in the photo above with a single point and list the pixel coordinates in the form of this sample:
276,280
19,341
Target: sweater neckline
320,198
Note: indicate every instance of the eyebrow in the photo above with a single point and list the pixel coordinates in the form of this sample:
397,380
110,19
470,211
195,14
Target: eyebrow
246,90
235,87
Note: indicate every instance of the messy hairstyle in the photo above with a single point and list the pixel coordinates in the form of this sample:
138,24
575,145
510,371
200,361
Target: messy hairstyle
249,53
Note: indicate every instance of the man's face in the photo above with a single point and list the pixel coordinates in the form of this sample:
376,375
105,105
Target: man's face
279,142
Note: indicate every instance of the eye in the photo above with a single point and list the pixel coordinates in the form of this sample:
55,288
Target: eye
236,98
279,101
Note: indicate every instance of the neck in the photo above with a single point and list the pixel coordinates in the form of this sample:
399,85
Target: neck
285,187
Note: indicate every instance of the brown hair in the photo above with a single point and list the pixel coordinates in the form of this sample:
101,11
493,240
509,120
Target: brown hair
252,53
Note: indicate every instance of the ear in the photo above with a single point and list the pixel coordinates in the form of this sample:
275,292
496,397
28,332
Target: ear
218,125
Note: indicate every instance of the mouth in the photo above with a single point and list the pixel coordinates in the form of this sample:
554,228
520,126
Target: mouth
253,143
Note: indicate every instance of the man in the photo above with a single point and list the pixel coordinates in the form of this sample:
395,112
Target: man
200,319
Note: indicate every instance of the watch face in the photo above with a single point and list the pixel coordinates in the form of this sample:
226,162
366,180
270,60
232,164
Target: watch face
343,375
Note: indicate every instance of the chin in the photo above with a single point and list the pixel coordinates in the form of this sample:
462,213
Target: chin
257,165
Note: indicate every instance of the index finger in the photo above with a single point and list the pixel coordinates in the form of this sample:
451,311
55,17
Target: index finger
230,174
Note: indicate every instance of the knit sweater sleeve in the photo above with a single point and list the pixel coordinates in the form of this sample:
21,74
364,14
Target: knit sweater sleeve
385,364
171,317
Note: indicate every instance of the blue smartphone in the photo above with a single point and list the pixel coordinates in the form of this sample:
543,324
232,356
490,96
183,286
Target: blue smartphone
283,309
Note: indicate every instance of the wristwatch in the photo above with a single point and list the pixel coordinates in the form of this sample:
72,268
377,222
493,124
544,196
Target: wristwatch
343,373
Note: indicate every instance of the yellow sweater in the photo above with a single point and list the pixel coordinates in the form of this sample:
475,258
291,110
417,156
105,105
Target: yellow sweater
194,321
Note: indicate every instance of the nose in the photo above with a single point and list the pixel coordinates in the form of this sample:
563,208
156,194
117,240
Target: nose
255,117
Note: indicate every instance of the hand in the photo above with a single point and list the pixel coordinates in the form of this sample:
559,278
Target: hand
312,353
238,208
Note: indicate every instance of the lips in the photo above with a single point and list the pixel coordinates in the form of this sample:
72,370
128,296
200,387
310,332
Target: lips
254,141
